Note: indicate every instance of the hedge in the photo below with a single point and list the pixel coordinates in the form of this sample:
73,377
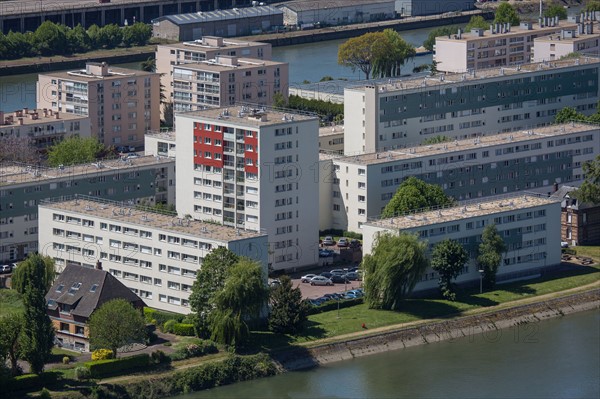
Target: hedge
333,305
102,368
205,376
180,329
341,233
28,382
160,318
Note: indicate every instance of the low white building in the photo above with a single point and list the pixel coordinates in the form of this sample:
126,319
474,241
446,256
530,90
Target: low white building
156,255
336,12
528,223
584,40
160,143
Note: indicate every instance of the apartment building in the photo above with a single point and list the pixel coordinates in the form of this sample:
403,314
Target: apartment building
254,169
501,45
534,160
204,49
44,127
581,40
403,113
528,223
122,103
22,187
331,139
227,80
160,143
155,255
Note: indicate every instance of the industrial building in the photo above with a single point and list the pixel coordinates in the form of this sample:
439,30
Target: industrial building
122,103
252,168
147,180
223,23
361,186
304,13
528,223
155,255
417,8
405,112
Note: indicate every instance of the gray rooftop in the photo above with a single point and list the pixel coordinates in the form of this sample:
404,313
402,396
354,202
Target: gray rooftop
220,15
246,116
308,5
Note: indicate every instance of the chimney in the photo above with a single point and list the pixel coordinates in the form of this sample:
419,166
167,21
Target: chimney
25,110
56,115
45,111
98,265
555,187
20,121
2,117
492,28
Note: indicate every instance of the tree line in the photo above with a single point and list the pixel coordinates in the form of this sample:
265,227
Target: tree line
57,39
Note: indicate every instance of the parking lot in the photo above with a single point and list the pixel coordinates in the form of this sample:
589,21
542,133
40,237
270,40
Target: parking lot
316,291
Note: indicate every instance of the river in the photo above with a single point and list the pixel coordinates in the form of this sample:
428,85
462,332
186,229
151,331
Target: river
558,358
307,62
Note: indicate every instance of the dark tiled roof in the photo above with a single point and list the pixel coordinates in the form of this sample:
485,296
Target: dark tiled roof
220,15
571,201
77,282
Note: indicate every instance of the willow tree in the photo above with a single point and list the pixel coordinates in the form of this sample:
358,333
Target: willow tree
393,269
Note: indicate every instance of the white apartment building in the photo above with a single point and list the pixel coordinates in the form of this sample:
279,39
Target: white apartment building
44,127
227,80
581,40
148,180
207,48
156,255
122,103
331,139
402,113
528,223
254,169
160,143
534,160
501,45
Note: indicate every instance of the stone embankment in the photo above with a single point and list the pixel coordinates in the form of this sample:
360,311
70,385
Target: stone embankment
437,331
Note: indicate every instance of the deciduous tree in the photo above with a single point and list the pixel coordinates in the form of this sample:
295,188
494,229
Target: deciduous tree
590,188
477,21
444,31
74,150
362,52
288,309
38,333
490,254
568,114
448,259
51,38
11,327
114,324
393,269
414,194
27,270
556,10
592,5
505,13
388,63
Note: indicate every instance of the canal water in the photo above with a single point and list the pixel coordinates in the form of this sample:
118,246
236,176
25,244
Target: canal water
558,358
307,62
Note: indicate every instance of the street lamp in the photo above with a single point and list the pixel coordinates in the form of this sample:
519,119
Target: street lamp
481,271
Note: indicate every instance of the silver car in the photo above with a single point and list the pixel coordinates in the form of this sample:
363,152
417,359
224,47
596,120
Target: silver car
320,280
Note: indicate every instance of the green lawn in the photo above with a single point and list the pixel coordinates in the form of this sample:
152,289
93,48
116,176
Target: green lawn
590,251
327,324
9,302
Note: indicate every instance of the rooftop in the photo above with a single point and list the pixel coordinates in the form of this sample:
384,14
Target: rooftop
226,63
168,135
116,211
12,174
243,115
35,116
331,130
465,210
210,44
412,153
396,85
307,5
505,31
84,76
571,35
219,15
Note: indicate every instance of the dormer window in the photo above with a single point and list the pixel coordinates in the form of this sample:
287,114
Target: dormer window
64,308
74,288
94,287
60,288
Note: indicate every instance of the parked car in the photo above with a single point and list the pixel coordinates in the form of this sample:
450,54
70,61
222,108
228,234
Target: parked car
339,279
320,280
358,292
274,283
5,269
131,148
354,276
307,277
326,274
343,242
355,244
325,253
324,298
121,149
339,272
328,240
315,302
132,155
334,296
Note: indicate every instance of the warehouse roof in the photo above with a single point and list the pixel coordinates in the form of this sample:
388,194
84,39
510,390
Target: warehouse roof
219,15
307,5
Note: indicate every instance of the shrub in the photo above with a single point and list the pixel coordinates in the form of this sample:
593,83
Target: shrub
159,357
82,373
102,354
168,326
29,382
66,360
159,318
101,368
183,329
203,347
45,394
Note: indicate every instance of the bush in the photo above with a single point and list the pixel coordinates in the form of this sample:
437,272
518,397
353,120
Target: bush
183,329
29,382
82,373
159,318
203,347
66,360
168,326
333,305
102,368
159,357
45,394
102,354
341,233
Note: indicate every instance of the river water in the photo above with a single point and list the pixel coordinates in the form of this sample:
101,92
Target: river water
558,358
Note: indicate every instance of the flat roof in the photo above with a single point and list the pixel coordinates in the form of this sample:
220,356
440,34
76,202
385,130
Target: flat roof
227,43
465,210
82,75
449,147
169,135
558,37
214,66
12,174
331,130
109,210
514,31
27,116
219,15
309,5
243,115
397,85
